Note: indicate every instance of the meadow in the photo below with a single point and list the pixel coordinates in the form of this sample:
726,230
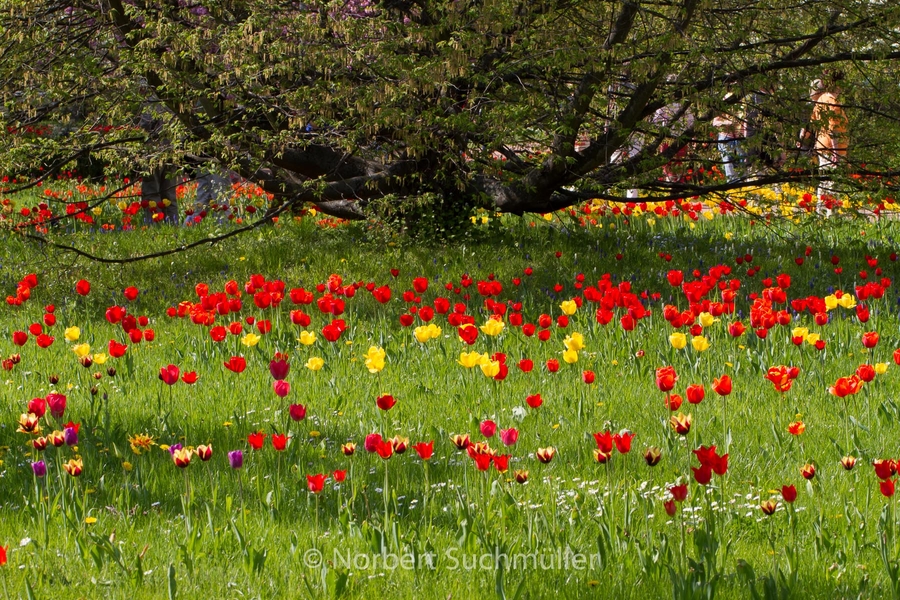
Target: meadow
637,407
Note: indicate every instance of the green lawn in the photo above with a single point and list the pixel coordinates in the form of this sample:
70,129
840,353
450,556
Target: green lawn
138,526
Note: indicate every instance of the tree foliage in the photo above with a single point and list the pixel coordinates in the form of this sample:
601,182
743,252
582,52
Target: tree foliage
514,105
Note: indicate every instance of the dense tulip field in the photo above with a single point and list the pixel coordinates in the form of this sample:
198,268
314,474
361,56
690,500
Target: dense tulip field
694,410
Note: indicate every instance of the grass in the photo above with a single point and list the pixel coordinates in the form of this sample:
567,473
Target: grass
400,527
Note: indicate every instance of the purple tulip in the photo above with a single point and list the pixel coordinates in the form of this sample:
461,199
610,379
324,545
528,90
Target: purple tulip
39,468
174,448
236,459
70,435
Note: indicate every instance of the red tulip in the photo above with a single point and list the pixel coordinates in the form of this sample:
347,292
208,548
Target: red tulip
339,476
509,436
788,493
702,475
679,492
671,507
169,374
488,428
57,404
19,338
695,393
604,441
37,407
846,386
44,340
116,350
297,412
385,402
865,372
870,339
501,462
666,378
897,356
722,385
676,278
372,441
588,377
385,449
425,451
236,364
553,365
673,401
736,329
526,365
83,287
189,377
256,440
131,293
279,441
315,483
534,401
887,487
623,442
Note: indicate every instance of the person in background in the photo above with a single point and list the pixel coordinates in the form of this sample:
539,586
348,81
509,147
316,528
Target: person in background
831,143
731,132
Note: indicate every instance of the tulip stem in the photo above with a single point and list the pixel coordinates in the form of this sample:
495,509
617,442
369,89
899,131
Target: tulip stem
386,498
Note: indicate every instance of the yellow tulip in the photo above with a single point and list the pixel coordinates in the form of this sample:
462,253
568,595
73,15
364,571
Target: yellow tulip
800,332
847,301
700,343
706,319
574,342
99,359
570,356
375,359
812,338
469,359
490,368
81,350
315,363
492,327
881,368
831,302
678,340
307,338
568,307
251,339
72,334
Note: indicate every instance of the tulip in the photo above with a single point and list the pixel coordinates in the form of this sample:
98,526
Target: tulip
279,369
509,436
236,459
679,492
534,401
83,287
307,338
39,468
488,428
315,483
681,423
666,378
870,339
848,462
279,441
29,423
425,451
385,402
574,342
72,334
375,358
722,385
256,440
570,357
602,457
652,456
70,435
695,393
796,428
671,507
204,452
623,441
297,412
521,476
348,449
700,343
385,449
461,441
372,441
492,327
74,467
169,374
678,340
788,493
808,471
545,455
887,487
236,364
769,507
315,363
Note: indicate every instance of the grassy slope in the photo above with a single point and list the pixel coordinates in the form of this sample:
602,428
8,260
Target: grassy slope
833,544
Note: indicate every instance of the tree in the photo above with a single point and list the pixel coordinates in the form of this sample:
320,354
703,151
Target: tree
361,106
